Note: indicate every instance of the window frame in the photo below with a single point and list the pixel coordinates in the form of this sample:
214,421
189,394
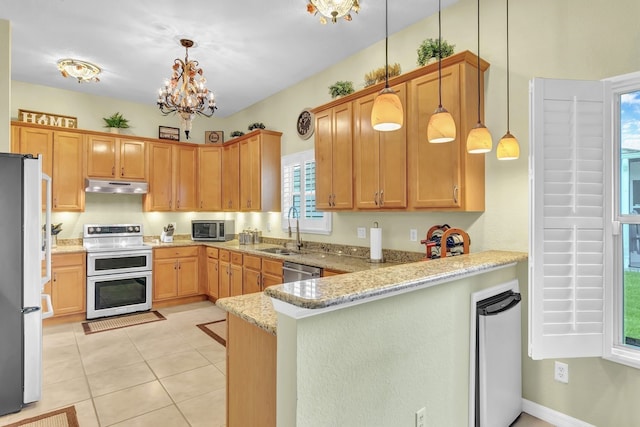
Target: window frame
307,225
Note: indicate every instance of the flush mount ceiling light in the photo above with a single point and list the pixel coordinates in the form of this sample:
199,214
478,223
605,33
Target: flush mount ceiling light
186,92
387,113
82,70
508,147
333,9
441,127
479,139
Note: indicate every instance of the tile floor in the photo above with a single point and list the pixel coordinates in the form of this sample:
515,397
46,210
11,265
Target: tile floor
165,373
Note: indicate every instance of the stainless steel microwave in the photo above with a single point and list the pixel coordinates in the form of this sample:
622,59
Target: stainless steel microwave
218,230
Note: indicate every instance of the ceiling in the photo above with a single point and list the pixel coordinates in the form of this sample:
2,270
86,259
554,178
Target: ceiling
248,49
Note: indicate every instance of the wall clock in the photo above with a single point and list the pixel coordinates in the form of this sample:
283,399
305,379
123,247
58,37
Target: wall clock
305,124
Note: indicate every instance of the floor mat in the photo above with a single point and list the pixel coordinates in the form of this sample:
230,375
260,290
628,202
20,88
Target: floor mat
216,330
65,417
121,322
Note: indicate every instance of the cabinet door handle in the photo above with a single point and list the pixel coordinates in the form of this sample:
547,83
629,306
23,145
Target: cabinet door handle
216,265
55,277
122,171
258,281
375,198
175,265
170,204
381,197
55,202
455,194
113,171
179,266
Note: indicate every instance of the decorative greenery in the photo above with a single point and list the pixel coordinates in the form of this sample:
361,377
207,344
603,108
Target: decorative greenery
236,133
116,121
428,50
379,75
341,88
256,125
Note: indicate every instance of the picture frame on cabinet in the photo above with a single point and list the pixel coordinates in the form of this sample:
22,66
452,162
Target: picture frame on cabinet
213,137
165,132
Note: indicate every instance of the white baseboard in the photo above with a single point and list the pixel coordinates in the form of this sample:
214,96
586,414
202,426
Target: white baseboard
549,415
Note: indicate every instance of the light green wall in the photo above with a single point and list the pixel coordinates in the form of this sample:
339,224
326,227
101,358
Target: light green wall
549,38
376,364
5,84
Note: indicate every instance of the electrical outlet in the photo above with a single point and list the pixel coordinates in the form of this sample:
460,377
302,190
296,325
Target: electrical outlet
413,235
561,372
268,226
362,233
421,417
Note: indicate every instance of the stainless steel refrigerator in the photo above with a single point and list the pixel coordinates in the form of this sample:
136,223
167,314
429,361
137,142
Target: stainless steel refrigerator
23,247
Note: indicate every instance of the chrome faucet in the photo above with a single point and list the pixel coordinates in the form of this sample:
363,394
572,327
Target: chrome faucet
296,215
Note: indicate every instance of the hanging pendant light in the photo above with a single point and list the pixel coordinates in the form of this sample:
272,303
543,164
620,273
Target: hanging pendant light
479,139
387,113
441,127
508,147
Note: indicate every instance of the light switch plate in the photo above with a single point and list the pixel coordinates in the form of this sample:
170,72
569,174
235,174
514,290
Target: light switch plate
362,233
413,235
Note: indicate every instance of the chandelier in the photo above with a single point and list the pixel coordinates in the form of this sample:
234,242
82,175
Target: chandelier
186,92
333,9
81,70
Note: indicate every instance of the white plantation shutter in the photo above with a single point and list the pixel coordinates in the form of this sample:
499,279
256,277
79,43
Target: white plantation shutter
568,171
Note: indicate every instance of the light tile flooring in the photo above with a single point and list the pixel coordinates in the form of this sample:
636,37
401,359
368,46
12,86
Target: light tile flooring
165,373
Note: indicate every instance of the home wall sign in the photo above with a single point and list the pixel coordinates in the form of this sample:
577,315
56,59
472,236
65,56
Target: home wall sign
47,119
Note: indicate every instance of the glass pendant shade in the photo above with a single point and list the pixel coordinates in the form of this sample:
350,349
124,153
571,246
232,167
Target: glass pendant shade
479,140
441,127
508,147
387,113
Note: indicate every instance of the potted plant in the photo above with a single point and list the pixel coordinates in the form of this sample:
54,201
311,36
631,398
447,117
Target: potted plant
380,74
428,50
256,125
236,133
341,88
116,122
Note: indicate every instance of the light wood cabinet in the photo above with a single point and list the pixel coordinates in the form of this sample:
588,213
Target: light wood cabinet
68,285
271,272
327,272
231,177
115,158
224,282
251,359
444,176
175,272
210,178
62,159
379,158
172,177
252,275
235,274
334,158
260,171
213,267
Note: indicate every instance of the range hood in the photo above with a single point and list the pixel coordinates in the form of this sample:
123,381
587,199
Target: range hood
115,187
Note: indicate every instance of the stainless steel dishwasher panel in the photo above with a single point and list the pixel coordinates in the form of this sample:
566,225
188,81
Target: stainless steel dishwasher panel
293,272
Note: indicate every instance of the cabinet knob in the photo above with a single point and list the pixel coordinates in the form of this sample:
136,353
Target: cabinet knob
375,198
122,171
113,171
381,197
55,277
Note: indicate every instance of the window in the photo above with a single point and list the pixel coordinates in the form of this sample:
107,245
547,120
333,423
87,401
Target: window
299,195
585,219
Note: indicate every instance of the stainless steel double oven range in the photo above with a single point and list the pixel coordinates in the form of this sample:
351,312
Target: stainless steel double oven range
119,268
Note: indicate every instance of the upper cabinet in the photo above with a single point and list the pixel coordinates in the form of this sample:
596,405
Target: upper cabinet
231,177
260,171
334,157
359,168
210,177
172,177
62,159
115,158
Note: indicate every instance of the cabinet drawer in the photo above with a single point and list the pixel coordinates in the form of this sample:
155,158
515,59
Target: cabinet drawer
236,258
186,251
60,260
212,253
272,267
252,262
225,255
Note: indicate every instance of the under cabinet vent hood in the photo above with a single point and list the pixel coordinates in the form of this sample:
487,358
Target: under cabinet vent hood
115,187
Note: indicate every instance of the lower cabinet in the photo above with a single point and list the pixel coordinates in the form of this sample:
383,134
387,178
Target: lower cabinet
251,359
230,274
235,274
175,272
213,278
271,273
252,275
68,286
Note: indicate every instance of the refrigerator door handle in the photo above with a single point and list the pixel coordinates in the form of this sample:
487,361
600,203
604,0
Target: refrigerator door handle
49,312
30,309
47,233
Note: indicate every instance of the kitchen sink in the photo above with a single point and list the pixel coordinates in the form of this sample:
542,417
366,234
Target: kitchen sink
279,251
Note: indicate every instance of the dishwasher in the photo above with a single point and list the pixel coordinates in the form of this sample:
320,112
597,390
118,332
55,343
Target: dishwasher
498,360
293,272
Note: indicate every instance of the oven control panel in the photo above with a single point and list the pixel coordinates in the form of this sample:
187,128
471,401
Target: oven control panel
93,230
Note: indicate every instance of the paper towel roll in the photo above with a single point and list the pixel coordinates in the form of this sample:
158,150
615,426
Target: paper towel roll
376,244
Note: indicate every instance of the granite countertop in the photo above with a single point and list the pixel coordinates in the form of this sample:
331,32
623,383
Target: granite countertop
254,308
342,289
